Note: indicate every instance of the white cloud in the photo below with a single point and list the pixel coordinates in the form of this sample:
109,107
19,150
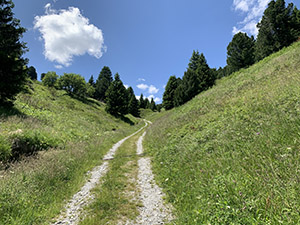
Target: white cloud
156,99
126,86
58,66
141,79
253,10
152,89
66,33
142,86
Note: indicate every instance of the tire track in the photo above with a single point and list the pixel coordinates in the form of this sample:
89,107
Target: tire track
84,196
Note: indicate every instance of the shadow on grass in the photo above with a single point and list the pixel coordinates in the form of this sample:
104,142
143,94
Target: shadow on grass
126,120
10,110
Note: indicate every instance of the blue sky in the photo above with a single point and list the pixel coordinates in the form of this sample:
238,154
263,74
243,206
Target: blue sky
145,41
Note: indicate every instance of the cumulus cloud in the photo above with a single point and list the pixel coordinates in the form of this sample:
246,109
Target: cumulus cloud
253,11
150,89
142,86
156,99
126,86
66,33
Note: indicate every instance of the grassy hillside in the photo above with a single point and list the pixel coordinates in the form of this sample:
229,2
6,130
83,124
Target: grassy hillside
232,154
75,134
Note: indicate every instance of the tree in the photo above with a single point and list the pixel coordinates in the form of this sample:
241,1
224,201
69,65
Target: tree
240,52
116,98
42,75
103,82
133,103
92,82
180,95
204,74
32,73
13,72
168,96
142,102
295,24
147,103
274,29
50,79
73,84
152,105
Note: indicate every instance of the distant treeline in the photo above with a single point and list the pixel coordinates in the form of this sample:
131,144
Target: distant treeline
118,99
279,27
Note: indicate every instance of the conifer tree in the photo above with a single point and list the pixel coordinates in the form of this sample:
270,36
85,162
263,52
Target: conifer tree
103,82
92,82
117,98
180,95
295,24
274,29
142,102
168,96
13,72
204,74
133,103
147,103
32,73
152,105
240,52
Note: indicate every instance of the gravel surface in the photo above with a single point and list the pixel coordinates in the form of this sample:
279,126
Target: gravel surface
84,196
153,211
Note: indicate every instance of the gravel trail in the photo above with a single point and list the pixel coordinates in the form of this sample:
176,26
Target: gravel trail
153,211
84,196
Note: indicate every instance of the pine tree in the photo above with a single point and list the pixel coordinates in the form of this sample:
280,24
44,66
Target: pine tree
142,102
274,29
92,82
180,96
13,72
133,103
240,52
32,73
147,103
117,98
168,96
204,74
103,82
152,105
190,84
295,24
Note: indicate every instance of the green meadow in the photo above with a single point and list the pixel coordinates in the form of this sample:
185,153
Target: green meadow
61,138
231,155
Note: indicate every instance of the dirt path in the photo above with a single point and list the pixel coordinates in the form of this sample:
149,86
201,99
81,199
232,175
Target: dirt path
83,197
153,211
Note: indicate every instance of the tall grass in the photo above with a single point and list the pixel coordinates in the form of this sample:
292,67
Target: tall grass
231,155
76,135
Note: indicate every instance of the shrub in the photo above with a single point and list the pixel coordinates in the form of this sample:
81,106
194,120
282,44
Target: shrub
49,79
28,143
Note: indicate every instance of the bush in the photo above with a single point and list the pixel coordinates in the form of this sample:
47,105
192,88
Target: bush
28,143
73,84
49,79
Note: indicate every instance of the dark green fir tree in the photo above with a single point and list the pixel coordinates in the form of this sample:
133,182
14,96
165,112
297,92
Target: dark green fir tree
13,70
117,98
240,52
103,82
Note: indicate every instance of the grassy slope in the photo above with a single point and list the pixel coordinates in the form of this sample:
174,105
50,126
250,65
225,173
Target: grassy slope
32,191
231,155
